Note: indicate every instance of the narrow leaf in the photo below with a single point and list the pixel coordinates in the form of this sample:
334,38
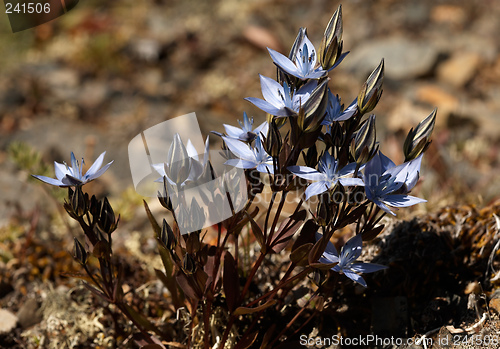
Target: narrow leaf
230,281
244,311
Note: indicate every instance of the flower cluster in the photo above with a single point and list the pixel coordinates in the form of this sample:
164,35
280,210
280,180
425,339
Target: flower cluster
310,142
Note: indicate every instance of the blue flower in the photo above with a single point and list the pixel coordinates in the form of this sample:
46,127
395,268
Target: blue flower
246,133
327,176
347,262
249,157
303,65
73,176
388,185
334,110
280,100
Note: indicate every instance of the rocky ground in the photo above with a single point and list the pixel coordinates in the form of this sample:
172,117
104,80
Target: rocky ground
93,79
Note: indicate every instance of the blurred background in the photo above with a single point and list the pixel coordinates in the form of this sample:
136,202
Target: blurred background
94,78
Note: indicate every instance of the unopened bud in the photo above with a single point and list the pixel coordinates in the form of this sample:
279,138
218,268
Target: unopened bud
324,211
179,162
364,145
312,113
189,264
80,254
330,51
311,157
418,140
273,142
167,236
107,221
164,197
79,202
371,91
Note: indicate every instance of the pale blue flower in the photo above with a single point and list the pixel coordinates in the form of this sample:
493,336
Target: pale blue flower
388,185
347,261
327,175
304,64
73,176
280,100
334,110
249,157
246,133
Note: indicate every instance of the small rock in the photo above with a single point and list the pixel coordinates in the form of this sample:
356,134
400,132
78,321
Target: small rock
449,14
495,304
29,314
8,321
459,69
404,59
435,96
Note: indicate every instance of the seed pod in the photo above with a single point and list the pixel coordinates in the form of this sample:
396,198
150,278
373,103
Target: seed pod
371,91
417,141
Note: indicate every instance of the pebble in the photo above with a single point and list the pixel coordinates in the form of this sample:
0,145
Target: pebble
29,315
8,321
404,59
459,69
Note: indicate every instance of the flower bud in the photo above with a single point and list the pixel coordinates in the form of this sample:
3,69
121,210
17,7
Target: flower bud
106,220
311,157
371,91
80,254
273,142
417,141
179,162
167,236
164,198
364,145
312,113
189,264
324,210
330,50
79,202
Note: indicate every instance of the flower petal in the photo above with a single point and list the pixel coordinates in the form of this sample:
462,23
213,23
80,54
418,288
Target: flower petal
317,188
355,277
268,107
350,182
240,149
95,166
361,267
61,170
239,163
284,63
271,90
400,200
232,131
308,173
99,173
50,181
